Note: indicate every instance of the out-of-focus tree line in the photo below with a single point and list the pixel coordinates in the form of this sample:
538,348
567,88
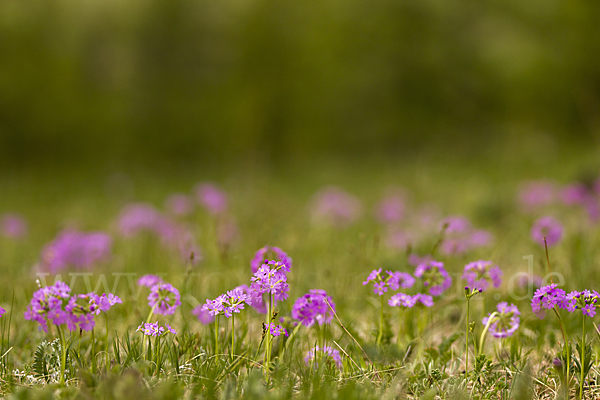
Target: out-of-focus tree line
210,80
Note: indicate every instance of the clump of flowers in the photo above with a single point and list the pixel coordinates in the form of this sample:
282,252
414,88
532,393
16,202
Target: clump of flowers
327,352
164,299
480,274
275,330
76,249
534,194
13,226
434,276
546,298
179,204
334,206
47,305
270,279
394,281
460,236
149,280
83,307
586,301
391,209
402,300
227,304
261,255
154,329
2,312
312,307
212,198
549,228
203,314
504,322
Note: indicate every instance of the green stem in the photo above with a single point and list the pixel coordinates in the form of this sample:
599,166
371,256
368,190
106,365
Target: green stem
106,346
567,345
380,335
269,337
467,341
485,331
94,368
216,335
232,335
63,354
582,361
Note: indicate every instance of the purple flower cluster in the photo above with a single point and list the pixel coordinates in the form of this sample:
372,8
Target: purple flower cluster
83,307
261,255
546,298
212,198
271,279
276,330
179,204
136,218
535,194
164,298
586,301
54,304
460,236
76,249
312,307
407,301
203,314
480,274
226,304
2,312
13,226
391,209
154,329
317,352
393,281
549,228
434,276
334,206
504,322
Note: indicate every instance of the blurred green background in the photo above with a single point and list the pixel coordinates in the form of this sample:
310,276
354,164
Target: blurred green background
113,84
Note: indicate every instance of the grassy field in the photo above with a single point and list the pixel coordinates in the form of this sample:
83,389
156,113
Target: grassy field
413,353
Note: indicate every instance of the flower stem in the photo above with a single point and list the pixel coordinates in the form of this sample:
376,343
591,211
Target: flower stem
380,335
106,346
269,337
467,341
63,355
582,360
232,335
216,335
485,331
567,345
94,368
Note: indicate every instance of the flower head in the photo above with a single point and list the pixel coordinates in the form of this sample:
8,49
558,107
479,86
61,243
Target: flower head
391,209
212,198
334,206
164,298
179,204
549,228
201,312
586,301
313,307
2,311
76,249
434,277
280,255
154,329
534,194
270,278
393,280
13,226
276,330
327,353
149,280
402,300
546,298
47,305
504,322
480,274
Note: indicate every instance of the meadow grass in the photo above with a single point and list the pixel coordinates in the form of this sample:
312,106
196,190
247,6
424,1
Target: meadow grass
413,353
